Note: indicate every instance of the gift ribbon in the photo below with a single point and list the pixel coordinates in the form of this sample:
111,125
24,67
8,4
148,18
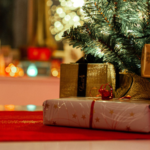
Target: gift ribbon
102,91
82,77
91,113
125,98
109,96
106,95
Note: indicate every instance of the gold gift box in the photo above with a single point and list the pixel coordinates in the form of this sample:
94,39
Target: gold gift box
97,75
145,61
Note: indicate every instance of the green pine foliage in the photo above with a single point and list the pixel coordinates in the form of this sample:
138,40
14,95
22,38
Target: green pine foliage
115,30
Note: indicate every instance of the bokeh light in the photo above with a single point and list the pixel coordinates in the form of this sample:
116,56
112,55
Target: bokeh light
32,70
55,72
59,10
49,3
68,13
21,72
78,3
76,19
8,69
57,24
67,17
31,107
9,107
62,15
13,71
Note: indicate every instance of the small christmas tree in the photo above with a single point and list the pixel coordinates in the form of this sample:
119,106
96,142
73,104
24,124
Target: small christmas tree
115,30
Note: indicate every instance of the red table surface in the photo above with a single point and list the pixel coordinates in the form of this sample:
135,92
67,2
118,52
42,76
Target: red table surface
28,126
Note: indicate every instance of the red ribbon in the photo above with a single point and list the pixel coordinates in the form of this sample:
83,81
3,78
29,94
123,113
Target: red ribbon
91,113
125,98
106,95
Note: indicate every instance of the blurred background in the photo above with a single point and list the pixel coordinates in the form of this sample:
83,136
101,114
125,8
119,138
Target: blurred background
32,48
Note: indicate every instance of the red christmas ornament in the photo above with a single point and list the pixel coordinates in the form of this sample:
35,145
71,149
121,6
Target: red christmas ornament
106,94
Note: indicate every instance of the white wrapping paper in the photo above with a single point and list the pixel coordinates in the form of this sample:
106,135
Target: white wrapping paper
131,116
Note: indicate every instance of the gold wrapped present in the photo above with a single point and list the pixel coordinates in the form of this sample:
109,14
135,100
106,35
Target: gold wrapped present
145,61
79,80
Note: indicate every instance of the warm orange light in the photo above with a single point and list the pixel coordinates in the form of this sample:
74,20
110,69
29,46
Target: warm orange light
11,65
10,107
18,69
55,72
14,71
21,72
11,74
2,65
7,69
58,75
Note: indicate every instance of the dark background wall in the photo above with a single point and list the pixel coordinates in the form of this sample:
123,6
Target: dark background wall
13,22
6,21
20,22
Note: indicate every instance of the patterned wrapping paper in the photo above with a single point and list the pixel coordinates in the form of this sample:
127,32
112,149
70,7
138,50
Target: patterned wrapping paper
131,116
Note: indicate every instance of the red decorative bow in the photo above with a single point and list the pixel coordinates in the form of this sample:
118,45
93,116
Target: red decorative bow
106,94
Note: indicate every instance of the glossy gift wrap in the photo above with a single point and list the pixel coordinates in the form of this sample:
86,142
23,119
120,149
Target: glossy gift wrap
131,116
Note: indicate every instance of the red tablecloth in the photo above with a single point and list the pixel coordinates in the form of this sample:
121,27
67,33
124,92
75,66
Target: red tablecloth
28,126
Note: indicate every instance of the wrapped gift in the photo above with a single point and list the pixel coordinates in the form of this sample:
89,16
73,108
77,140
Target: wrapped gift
84,112
145,61
84,80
